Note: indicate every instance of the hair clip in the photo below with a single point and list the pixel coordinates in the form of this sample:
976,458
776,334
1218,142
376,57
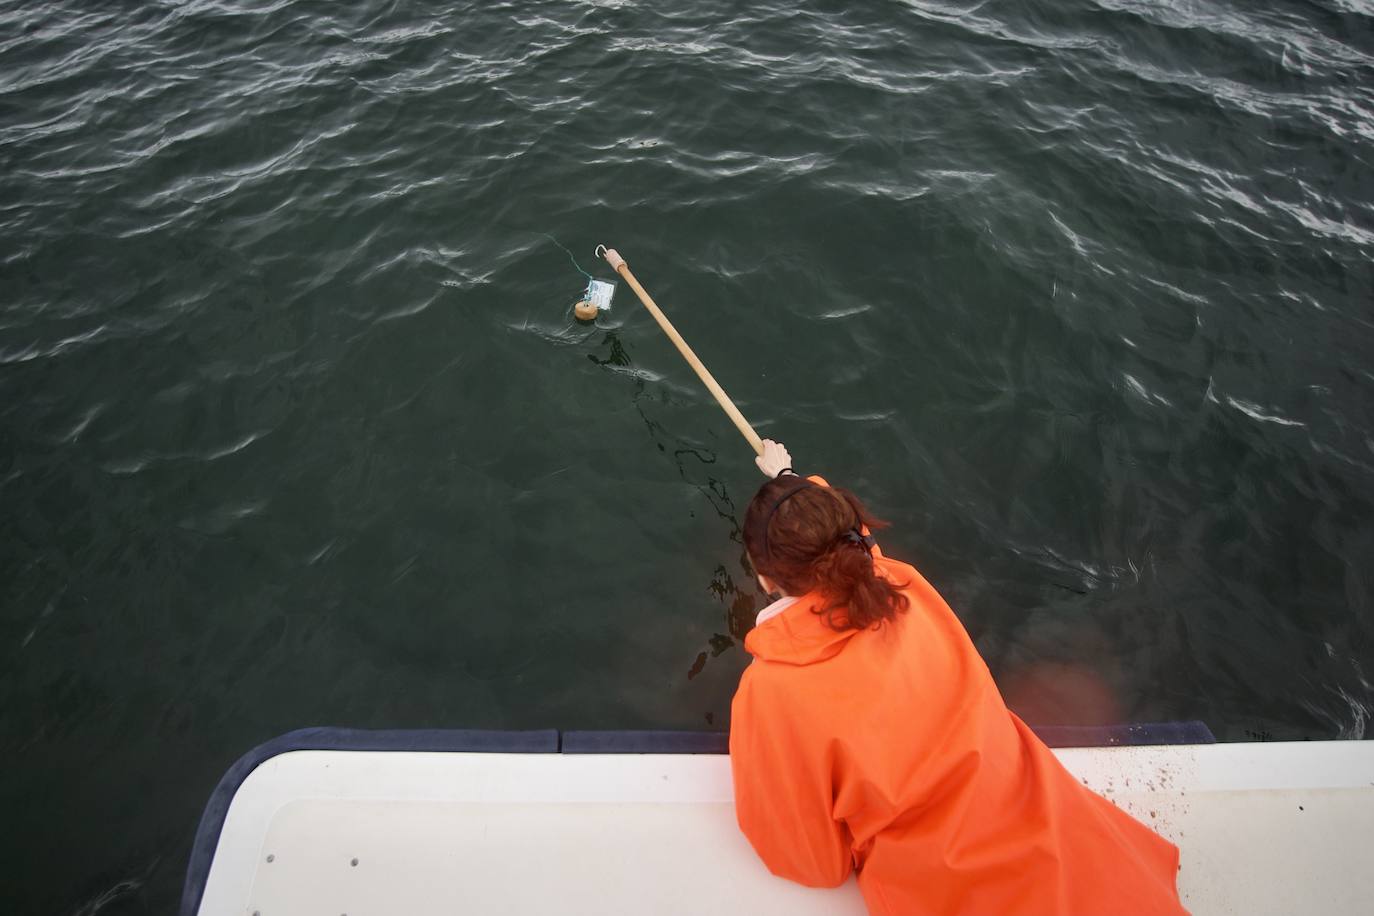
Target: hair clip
855,536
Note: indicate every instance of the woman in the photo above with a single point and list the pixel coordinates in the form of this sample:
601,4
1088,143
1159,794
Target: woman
868,736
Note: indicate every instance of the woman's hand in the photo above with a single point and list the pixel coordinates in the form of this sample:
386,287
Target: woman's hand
774,459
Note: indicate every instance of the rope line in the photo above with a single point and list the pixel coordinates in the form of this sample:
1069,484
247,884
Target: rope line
570,256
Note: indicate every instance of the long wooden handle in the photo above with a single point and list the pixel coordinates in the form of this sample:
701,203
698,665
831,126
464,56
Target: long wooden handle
615,260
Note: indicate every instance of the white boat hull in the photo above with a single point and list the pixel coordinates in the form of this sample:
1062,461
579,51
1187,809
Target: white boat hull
1263,829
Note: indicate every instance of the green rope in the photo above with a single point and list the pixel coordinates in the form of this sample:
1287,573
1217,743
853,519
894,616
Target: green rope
570,256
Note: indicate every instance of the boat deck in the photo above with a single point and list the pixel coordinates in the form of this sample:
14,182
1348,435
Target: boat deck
1263,828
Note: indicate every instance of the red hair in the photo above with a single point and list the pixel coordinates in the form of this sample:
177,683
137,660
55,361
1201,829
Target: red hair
805,538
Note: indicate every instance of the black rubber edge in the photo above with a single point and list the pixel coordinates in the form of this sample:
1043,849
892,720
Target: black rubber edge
339,739
1125,735
550,741
645,742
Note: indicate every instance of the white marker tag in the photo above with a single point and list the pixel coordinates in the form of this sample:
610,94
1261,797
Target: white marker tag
599,293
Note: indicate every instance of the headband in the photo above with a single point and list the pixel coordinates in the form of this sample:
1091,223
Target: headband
853,535
801,484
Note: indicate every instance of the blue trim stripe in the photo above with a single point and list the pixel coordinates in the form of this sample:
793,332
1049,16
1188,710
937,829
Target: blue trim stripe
1124,735
628,742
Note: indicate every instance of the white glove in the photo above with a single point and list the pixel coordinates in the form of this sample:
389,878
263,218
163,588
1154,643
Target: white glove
774,459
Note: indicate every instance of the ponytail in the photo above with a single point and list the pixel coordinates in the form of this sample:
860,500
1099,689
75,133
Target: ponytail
808,538
859,598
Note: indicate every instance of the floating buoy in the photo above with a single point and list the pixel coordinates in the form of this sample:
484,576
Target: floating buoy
596,298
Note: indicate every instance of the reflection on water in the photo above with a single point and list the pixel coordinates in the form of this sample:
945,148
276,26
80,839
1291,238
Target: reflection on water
740,604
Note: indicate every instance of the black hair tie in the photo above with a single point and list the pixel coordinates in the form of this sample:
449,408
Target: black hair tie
855,536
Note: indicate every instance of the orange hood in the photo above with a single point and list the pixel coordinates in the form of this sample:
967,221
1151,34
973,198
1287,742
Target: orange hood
800,635
797,636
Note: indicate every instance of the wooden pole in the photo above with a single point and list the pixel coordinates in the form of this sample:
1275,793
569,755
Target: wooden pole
615,260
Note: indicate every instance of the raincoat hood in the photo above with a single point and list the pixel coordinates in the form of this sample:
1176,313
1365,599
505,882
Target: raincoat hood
802,635
797,636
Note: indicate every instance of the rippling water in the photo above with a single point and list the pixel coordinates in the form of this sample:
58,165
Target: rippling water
295,427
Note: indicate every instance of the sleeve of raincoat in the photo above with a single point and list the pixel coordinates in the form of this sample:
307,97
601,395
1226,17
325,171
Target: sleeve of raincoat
784,795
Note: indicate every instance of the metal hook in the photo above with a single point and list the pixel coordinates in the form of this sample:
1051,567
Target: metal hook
597,251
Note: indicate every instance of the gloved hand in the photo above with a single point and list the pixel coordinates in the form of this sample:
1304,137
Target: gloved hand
774,459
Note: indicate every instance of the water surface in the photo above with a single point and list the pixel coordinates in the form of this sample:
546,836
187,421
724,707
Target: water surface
296,428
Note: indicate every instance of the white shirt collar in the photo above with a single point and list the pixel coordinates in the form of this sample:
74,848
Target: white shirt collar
774,609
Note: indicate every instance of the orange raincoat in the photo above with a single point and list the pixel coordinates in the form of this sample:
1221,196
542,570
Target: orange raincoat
890,752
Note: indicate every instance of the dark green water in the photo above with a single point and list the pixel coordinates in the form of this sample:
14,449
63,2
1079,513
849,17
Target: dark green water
295,427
